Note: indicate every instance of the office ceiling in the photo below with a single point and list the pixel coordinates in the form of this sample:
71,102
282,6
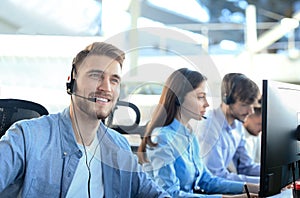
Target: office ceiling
84,17
49,17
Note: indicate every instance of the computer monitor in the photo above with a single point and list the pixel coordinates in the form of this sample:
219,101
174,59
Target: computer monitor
280,148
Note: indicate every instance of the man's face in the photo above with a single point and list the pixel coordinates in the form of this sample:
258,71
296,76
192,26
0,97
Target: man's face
98,77
253,124
240,110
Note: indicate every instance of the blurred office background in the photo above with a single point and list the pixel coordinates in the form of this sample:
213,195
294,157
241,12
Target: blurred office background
39,38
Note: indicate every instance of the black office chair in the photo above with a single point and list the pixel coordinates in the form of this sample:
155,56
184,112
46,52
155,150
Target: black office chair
125,129
132,128
12,110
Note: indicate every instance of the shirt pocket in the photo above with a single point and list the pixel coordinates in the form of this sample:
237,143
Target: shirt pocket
43,189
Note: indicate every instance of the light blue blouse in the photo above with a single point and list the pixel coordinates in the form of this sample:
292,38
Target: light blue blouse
175,165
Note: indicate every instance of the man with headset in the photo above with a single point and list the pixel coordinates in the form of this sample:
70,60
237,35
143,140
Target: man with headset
72,153
222,135
253,126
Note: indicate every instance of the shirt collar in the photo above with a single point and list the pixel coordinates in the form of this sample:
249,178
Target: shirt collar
180,128
69,144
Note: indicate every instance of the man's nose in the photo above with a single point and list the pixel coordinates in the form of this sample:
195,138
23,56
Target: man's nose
104,84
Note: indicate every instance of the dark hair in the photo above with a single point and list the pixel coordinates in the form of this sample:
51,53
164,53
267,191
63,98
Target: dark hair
237,86
176,87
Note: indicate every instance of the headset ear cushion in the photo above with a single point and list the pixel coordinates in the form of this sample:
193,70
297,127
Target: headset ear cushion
228,100
70,86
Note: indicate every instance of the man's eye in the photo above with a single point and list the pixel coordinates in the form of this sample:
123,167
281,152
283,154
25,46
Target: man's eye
96,76
115,80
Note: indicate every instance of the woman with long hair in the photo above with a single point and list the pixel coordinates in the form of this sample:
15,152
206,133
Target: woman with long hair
170,151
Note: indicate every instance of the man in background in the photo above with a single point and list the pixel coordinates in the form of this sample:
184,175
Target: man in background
222,134
253,124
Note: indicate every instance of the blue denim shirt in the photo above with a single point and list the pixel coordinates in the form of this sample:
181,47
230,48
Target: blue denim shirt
176,166
39,158
222,143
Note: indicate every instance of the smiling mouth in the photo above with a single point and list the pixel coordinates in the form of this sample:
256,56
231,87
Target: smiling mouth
103,100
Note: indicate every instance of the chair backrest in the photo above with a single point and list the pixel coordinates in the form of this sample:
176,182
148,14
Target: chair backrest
133,132
12,110
125,129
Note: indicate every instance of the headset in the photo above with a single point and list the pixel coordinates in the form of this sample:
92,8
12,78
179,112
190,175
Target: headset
228,98
70,84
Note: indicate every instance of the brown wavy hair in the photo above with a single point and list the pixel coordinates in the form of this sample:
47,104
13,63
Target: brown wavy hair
98,48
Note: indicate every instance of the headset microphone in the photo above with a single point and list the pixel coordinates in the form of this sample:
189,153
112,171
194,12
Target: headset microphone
89,99
70,87
194,112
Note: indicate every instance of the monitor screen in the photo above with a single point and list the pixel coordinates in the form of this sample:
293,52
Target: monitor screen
280,148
